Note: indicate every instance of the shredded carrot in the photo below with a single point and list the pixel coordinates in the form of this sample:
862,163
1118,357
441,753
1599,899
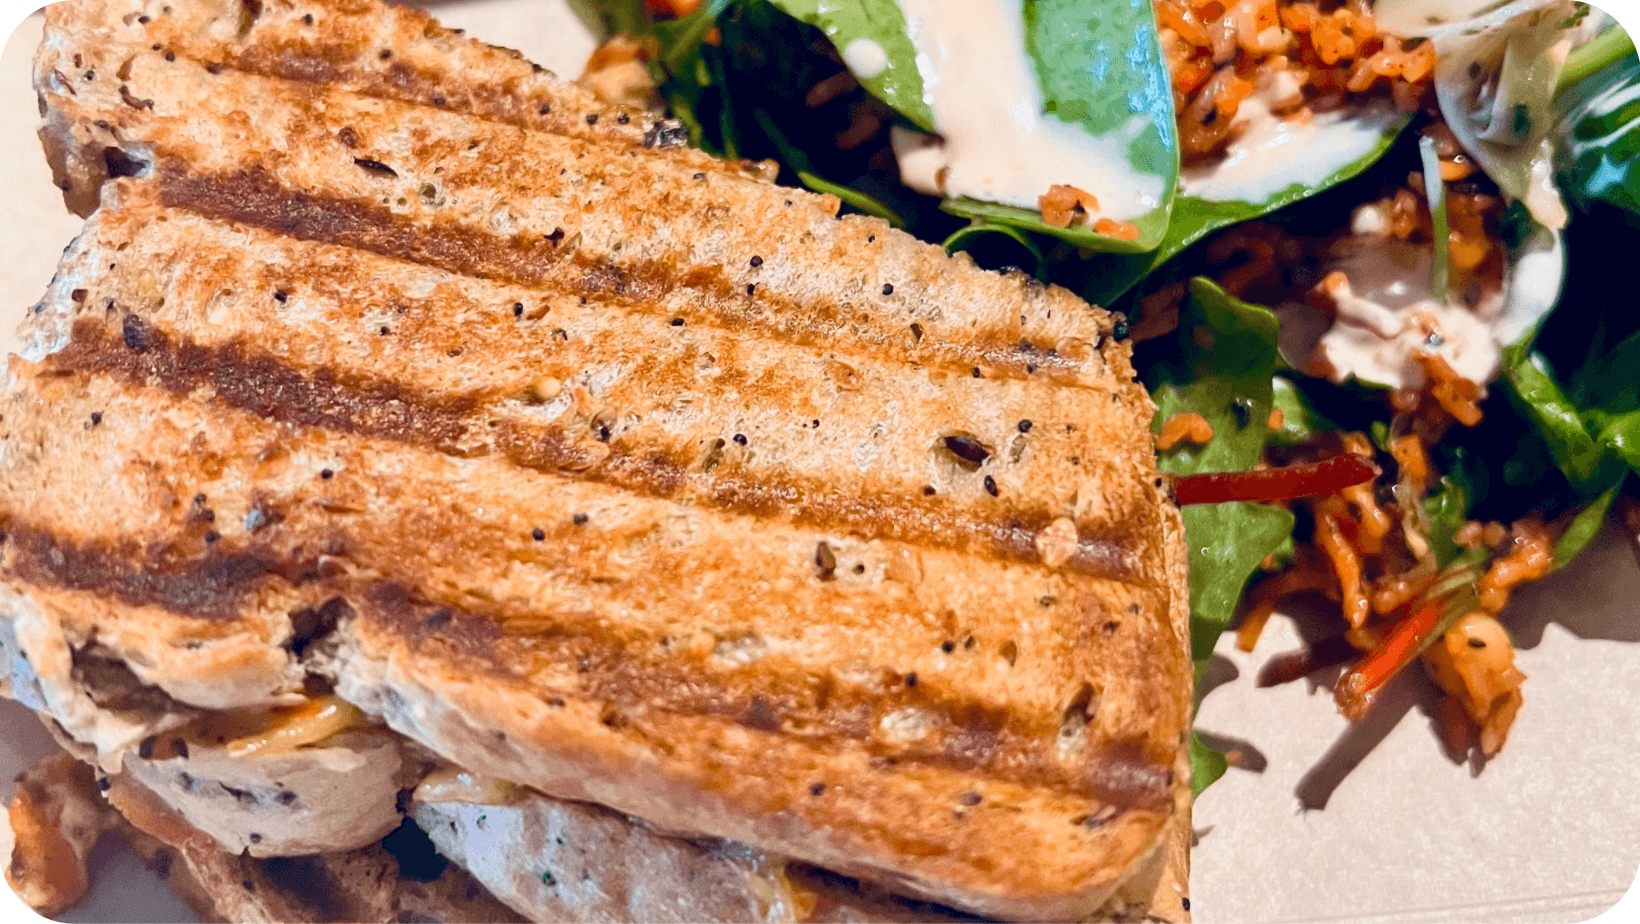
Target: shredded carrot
1184,427
1359,686
1330,517
1408,451
1456,395
1393,591
1062,206
1375,524
1269,592
1529,559
1121,230
1219,51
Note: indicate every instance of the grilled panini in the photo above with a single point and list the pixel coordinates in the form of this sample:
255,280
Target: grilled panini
391,366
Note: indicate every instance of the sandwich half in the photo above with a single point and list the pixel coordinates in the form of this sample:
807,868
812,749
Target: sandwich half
402,407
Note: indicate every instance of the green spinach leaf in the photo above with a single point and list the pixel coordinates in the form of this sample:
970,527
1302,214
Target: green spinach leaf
964,237
863,30
1231,355
1581,531
1448,509
1227,542
1100,67
1600,136
1576,452
1300,422
1619,433
1206,765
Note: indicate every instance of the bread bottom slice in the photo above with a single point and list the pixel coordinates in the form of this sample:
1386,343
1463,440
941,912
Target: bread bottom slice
372,884
518,857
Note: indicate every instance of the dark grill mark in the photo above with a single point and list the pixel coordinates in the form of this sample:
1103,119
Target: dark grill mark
630,680
254,197
454,425
214,585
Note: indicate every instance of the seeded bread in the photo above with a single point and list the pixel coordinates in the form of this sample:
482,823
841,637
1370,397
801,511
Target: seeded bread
621,474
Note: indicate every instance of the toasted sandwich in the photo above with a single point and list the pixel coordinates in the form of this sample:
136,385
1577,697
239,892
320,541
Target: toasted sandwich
404,411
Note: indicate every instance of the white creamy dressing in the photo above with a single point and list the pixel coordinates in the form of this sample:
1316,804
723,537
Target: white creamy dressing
1271,153
865,58
995,141
1387,314
1409,18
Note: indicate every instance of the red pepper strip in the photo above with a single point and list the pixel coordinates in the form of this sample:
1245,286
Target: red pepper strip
1360,684
1272,484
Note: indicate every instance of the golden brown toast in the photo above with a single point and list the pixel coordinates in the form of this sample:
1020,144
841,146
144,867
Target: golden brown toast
614,471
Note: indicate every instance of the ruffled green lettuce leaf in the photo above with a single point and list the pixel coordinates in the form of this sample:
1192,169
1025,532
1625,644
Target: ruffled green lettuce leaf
1228,363
1228,357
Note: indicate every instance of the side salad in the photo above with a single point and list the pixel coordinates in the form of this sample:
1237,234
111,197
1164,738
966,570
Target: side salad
1392,230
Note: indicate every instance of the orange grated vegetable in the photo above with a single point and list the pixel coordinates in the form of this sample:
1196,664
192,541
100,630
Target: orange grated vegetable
1184,427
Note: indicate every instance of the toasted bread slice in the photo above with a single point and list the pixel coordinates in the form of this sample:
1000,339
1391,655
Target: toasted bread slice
622,474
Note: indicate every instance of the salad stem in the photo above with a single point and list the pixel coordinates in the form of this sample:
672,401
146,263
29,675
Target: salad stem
1435,191
1608,47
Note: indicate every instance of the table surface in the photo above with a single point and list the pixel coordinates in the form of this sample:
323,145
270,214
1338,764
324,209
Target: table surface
1329,822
